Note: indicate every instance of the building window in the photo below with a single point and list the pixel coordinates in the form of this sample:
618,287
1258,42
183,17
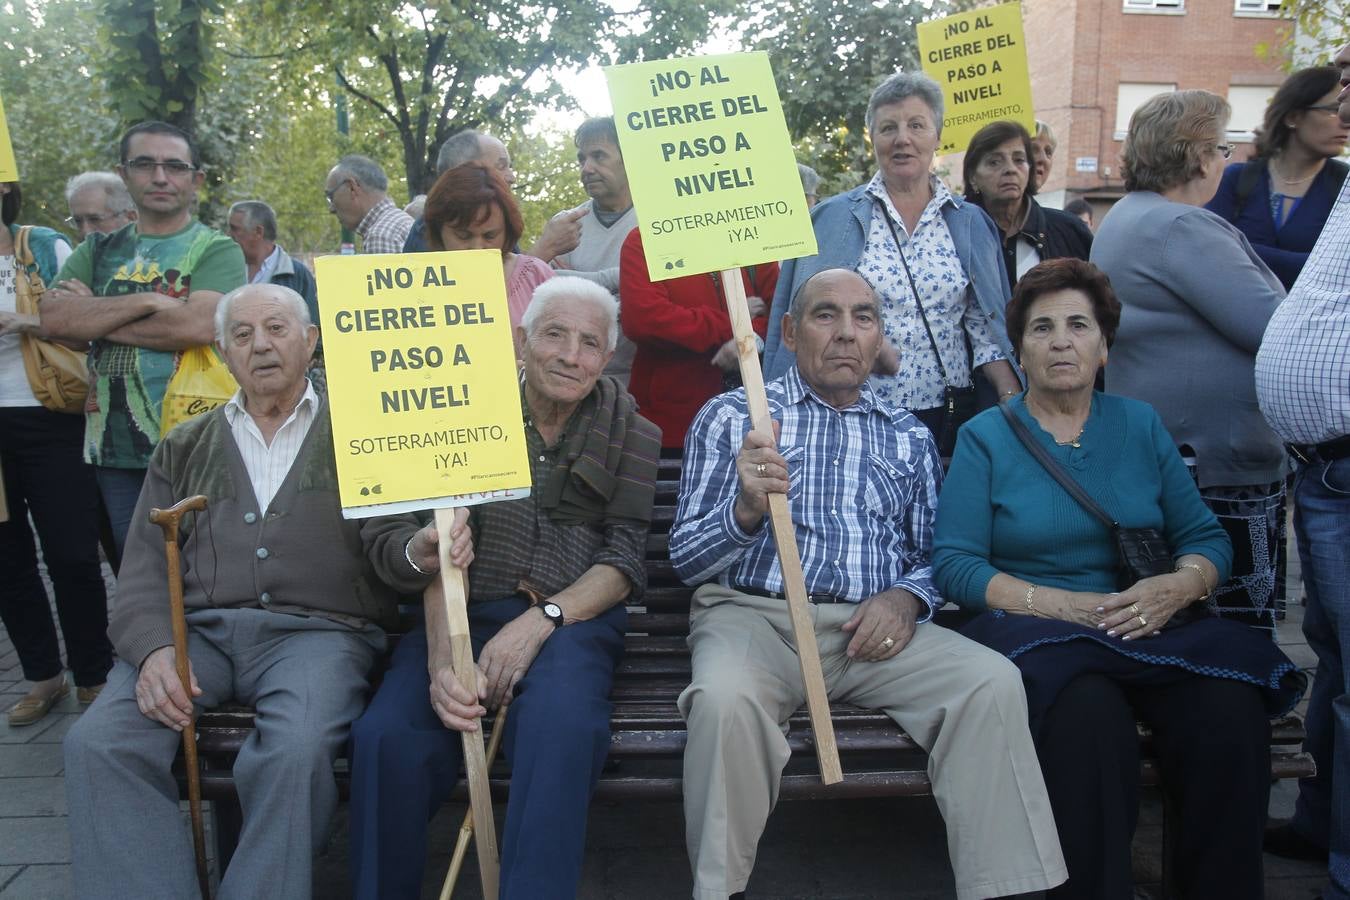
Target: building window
1167,6
1249,107
1257,7
1130,95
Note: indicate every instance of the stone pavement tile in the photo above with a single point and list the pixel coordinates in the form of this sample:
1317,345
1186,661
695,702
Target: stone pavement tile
1294,889
30,760
7,874
32,797
56,733
48,882
34,840
1301,655
34,733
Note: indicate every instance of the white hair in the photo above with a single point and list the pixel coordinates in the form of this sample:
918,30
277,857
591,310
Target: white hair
570,287
114,188
282,293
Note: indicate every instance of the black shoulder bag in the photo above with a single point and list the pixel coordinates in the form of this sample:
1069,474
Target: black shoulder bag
1143,551
958,403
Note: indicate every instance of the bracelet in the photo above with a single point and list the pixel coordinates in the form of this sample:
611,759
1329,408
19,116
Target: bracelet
1031,608
1204,582
407,554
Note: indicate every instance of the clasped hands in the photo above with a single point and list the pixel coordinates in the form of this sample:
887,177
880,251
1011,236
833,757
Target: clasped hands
1139,611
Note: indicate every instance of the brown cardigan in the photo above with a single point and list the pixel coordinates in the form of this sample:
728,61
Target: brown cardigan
298,556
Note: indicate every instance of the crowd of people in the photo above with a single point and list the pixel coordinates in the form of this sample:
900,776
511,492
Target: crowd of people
1083,440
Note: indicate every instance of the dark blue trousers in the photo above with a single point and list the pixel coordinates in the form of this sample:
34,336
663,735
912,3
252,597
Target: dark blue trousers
405,762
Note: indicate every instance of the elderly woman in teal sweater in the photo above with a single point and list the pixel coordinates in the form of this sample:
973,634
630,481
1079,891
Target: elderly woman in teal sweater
1013,544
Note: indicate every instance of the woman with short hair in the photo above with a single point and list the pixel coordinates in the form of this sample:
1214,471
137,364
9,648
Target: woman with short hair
999,177
1281,197
471,207
1196,298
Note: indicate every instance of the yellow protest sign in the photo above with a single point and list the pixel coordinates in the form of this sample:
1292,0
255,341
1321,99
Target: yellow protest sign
9,169
711,166
422,381
980,60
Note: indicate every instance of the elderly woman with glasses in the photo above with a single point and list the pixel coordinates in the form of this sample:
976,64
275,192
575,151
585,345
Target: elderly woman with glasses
1282,196
935,261
1195,300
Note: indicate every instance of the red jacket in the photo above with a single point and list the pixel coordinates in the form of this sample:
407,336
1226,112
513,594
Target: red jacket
678,326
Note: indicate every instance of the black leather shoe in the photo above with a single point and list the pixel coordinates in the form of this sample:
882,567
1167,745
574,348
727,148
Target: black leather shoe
1283,840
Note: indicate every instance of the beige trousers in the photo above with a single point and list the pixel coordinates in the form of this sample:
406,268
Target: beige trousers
962,702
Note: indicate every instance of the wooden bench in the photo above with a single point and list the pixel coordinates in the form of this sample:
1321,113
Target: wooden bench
648,734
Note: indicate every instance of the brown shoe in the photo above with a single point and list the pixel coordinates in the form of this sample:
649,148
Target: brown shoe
87,695
32,708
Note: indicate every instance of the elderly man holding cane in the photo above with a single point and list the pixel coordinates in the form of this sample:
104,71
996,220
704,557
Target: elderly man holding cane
284,603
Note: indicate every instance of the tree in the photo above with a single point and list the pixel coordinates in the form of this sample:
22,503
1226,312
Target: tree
828,55
157,57
1321,27
429,72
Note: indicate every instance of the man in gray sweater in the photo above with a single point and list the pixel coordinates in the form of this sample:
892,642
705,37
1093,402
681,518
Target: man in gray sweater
284,603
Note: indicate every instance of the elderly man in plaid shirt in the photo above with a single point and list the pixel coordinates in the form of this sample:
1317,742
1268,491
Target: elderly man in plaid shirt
862,483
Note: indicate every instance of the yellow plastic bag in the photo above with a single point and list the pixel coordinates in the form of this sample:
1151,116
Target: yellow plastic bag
200,384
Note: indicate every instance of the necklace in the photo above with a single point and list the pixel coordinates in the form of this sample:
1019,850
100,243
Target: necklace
1284,180
1073,441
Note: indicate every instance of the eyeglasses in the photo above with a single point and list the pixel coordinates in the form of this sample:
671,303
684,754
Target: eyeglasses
331,194
91,221
1225,149
144,165
1326,107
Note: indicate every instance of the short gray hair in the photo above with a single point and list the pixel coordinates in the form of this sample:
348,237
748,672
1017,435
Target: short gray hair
570,287
256,213
365,170
458,149
805,292
810,179
297,304
119,198
903,85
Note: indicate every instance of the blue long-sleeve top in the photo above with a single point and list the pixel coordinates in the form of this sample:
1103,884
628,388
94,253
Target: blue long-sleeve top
1284,249
1000,511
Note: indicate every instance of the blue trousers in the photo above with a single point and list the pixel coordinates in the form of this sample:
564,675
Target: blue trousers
1322,526
405,762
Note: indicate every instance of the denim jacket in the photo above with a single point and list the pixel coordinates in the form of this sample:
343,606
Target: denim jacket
841,225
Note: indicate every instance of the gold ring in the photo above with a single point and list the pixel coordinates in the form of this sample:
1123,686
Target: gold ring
888,643
1134,608
1142,621
760,469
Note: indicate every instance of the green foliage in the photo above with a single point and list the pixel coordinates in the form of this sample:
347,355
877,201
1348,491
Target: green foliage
547,178
1321,27
156,57
828,55
59,114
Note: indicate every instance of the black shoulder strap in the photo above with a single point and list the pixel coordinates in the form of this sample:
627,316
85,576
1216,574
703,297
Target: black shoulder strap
1055,469
1250,175
913,289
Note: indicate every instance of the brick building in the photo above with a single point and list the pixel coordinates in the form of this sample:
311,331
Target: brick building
1093,62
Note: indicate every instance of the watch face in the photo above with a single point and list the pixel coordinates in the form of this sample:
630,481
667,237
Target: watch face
553,610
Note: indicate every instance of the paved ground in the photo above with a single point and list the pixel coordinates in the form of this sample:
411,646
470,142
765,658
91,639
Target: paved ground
845,850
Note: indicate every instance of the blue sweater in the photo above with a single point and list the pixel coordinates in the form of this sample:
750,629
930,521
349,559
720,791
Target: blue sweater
1287,249
1013,517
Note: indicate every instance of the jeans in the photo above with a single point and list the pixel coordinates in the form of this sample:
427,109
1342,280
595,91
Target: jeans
45,477
121,488
1322,527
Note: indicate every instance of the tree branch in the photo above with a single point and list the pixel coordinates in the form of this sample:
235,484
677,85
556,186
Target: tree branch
362,95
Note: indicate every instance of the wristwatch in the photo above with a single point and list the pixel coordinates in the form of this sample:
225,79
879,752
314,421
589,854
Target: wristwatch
553,612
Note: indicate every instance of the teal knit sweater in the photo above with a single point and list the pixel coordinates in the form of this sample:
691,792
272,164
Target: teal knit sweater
1000,511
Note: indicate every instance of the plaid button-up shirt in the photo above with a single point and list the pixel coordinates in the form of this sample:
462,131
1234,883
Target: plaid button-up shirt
384,228
1303,367
863,488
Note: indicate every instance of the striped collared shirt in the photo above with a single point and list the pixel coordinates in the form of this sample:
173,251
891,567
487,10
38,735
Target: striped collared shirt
266,464
1303,367
863,488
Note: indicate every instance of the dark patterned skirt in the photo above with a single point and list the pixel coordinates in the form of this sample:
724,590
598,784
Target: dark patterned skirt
1254,518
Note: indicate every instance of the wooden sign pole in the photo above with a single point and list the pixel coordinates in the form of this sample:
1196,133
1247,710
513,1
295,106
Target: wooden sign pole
784,535
475,760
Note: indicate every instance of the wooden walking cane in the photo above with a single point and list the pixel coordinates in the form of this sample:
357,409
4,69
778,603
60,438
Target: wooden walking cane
784,536
466,827
167,520
461,660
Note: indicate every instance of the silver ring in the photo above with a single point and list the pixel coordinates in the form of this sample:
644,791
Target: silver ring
888,643
761,469
1134,608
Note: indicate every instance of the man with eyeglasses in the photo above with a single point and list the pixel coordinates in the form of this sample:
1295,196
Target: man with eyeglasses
99,203
356,190
140,295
